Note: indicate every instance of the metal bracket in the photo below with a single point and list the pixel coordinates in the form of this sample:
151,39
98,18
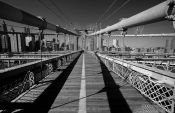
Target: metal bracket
124,31
44,24
170,16
170,2
109,34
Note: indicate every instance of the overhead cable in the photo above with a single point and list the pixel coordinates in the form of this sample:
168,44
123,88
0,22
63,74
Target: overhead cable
107,10
50,10
59,10
115,11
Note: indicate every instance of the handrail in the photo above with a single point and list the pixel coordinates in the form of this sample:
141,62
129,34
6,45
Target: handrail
31,65
149,59
146,35
17,58
142,54
161,75
157,85
20,78
29,55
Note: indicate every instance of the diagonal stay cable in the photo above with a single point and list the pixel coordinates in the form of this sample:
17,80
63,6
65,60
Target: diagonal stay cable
117,9
50,10
59,10
107,10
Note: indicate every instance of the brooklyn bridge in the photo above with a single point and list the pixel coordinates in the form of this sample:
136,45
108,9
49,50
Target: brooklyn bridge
85,56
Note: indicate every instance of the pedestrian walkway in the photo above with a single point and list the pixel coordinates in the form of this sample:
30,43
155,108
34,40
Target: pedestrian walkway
85,86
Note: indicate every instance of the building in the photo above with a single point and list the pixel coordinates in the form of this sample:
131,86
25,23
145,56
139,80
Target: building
5,44
173,44
170,44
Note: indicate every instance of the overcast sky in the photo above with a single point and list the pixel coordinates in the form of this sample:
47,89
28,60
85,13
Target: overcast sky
85,12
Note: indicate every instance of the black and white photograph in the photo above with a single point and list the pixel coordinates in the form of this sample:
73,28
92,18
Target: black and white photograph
87,56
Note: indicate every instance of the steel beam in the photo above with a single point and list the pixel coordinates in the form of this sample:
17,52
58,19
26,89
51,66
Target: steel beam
158,13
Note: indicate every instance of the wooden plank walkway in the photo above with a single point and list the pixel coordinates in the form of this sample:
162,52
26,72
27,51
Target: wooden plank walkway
94,90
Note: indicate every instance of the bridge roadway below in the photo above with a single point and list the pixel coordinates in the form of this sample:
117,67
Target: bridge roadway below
83,86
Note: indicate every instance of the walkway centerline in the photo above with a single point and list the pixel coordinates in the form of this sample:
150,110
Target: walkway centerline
82,102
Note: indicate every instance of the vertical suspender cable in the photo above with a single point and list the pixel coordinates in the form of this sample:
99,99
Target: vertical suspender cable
40,36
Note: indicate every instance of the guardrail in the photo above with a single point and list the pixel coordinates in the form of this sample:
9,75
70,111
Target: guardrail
161,62
14,61
168,66
29,55
15,80
157,85
141,55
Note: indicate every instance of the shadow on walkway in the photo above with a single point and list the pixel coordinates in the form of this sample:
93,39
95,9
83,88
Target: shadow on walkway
116,100
101,91
44,102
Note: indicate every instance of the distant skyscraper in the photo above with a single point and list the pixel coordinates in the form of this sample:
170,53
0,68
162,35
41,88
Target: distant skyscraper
173,43
5,39
4,43
92,44
117,43
1,39
104,42
13,41
170,44
166,43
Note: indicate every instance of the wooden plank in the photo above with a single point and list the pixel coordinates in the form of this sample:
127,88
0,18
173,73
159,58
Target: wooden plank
97,101
68,99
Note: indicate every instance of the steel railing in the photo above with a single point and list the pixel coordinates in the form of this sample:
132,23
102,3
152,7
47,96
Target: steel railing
155,84
15,80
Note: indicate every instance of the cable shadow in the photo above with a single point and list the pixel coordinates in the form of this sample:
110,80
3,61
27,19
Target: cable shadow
73,78
60,69
115,98
78,99
44,82
44,102
8,107
41,83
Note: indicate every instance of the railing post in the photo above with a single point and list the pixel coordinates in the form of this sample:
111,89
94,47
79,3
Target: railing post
109,36
167,65
65,43
113,66
8,63
173,99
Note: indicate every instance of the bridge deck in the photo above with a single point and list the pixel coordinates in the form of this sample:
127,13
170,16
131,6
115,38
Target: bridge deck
87,87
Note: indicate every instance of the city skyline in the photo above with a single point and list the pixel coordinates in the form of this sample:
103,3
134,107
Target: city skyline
79,12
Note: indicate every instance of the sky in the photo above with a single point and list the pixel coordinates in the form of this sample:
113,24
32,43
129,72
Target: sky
86,12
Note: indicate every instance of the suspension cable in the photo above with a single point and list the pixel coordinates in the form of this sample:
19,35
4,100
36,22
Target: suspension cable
126,2
60,11
50,10
107,10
